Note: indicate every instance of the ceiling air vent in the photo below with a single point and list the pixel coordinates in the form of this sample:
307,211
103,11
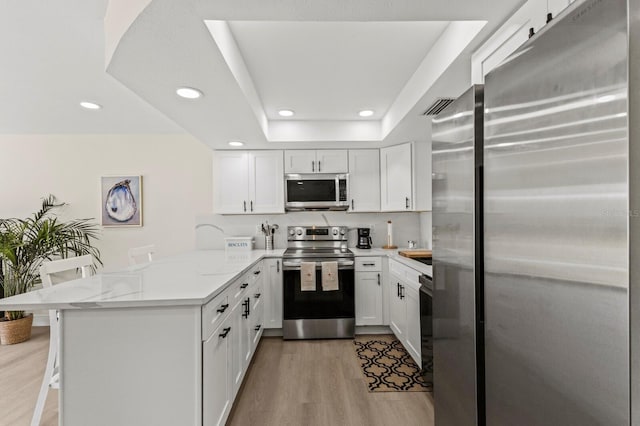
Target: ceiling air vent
438,105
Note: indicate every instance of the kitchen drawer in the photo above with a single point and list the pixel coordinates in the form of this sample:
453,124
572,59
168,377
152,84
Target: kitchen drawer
238,289
403,271
368,264
213,313
255,273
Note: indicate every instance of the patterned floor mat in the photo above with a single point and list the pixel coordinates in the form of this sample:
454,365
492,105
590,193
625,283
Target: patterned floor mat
388,367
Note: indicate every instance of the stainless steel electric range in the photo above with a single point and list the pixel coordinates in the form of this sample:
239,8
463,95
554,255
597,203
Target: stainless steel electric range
318,314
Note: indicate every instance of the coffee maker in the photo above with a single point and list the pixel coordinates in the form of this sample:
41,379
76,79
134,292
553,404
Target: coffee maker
364,239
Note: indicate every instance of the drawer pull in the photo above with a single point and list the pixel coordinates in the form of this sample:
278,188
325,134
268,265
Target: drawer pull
223,308
257,295
368,264
245,285
258,327
225,332
256,273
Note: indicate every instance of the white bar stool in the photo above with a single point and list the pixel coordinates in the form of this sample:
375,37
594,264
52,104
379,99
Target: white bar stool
52,371
137,252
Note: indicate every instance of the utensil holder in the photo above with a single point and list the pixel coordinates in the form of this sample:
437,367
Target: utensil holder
268,242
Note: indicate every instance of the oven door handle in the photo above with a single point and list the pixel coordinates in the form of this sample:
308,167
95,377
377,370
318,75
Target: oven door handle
295,266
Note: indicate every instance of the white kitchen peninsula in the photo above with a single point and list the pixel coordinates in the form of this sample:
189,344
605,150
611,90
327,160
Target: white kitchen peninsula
132,342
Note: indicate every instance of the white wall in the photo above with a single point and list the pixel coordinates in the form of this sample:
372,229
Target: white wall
177,184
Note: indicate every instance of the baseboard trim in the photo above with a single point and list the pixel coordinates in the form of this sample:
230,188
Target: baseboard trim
373,329
360,329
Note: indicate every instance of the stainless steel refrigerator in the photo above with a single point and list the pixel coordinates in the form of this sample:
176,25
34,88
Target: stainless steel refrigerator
561,232
457,261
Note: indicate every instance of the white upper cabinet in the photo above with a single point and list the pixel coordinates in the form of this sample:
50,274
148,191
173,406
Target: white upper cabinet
230,182
300,161
364,180
332,161
396,184
316,161
405,177
248,182
266,182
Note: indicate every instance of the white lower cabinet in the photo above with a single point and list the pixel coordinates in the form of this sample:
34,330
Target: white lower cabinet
217,387
272,293
412,302
227,351
404,307
397,308
368,276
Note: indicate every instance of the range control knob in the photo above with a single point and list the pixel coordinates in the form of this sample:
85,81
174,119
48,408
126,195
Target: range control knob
335,231
343,231
291,232
299,231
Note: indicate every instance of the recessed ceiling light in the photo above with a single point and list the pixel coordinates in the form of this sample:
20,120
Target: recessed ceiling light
286,112
189,93
90,105
365,113
236,143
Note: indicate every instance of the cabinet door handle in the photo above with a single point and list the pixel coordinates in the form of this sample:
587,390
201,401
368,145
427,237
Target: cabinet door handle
313,166
278,266
251,203
223,308
257,295
225,331
368,264
398,287
319,166
401,292
245,285
352,204
244,206
247,308
406,202
258,327
378,279
256,273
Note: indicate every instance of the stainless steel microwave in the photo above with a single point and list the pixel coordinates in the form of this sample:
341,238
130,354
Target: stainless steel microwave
316,192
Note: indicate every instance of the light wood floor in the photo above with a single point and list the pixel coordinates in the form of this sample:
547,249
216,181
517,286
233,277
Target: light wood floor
21,371
289,383
319,382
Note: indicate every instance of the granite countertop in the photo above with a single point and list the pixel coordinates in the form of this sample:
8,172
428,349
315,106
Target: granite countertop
192,278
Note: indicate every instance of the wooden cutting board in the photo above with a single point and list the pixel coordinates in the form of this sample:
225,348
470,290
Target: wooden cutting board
415,253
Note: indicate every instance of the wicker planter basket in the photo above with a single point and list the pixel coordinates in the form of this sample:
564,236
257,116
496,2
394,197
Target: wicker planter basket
16,331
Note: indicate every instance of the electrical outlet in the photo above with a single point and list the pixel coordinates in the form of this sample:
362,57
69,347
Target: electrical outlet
258,229
373,228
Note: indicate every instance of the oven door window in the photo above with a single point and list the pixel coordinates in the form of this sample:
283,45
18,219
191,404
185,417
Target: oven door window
312,190
319,304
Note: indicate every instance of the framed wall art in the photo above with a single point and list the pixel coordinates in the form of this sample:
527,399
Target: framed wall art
121,200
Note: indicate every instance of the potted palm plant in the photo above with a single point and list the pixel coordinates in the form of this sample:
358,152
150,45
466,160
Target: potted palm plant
25,244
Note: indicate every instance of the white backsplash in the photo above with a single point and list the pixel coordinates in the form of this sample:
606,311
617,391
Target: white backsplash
211,229
425,230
